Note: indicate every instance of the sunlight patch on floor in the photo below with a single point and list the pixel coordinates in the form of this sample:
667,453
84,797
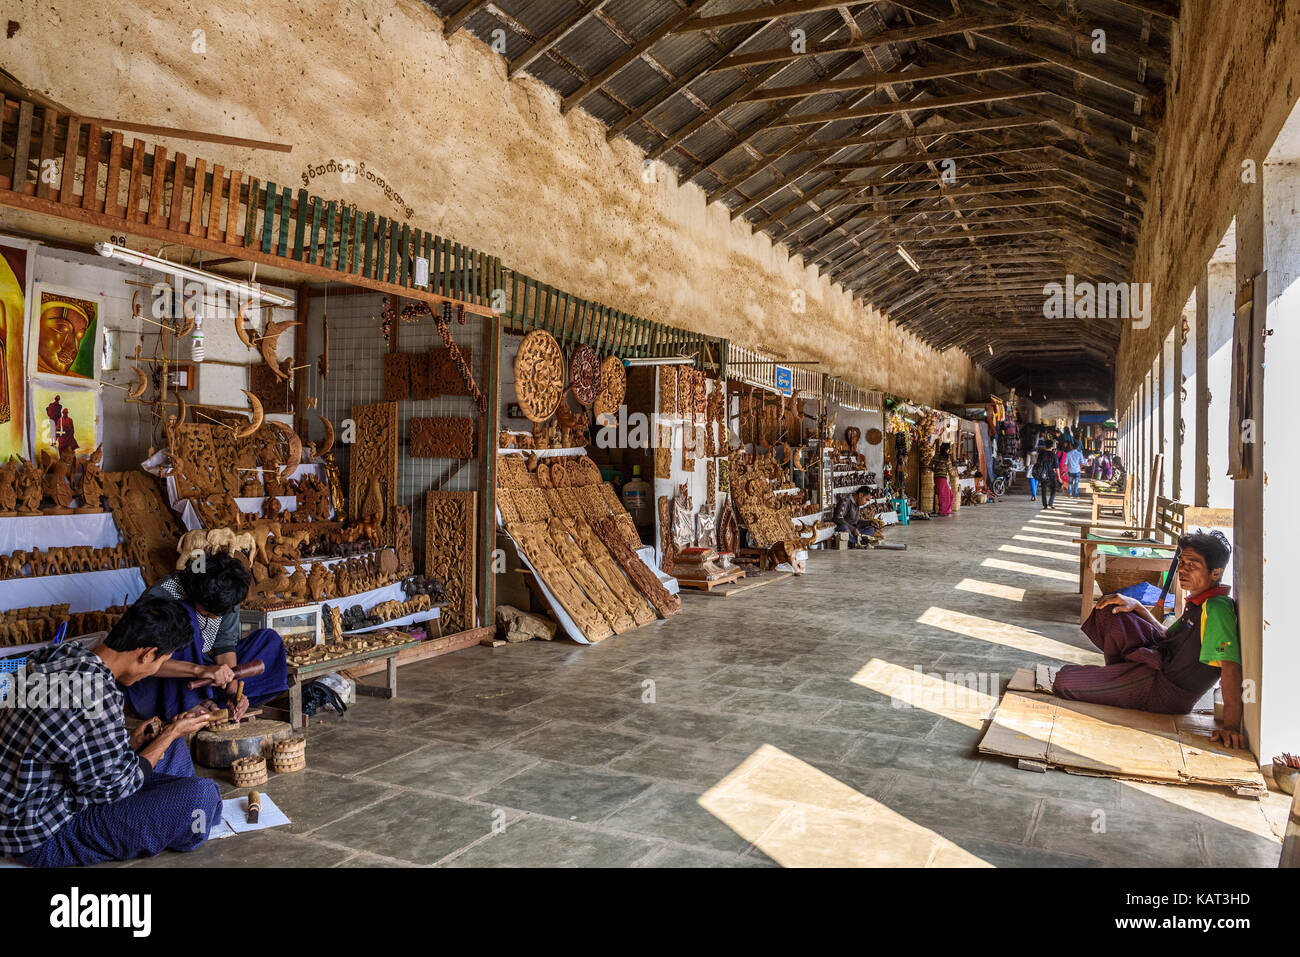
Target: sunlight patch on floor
992,589
800,816
1036,538
1008,635
1045,530
1024,569
969,700
1040,553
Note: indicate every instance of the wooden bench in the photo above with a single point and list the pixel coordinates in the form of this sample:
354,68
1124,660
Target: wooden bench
300,674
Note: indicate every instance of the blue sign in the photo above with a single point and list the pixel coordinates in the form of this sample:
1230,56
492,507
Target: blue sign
784,380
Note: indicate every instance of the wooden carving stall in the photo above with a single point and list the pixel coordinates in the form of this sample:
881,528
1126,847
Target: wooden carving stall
559,514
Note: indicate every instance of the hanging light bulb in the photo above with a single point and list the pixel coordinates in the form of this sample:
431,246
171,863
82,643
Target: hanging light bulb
196,347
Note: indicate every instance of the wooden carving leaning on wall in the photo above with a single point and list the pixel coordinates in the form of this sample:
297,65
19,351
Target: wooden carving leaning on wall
591,582
145,522
534,543
647,582
373,455
633,602
449,552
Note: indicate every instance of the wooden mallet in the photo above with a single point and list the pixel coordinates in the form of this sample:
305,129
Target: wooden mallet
254,806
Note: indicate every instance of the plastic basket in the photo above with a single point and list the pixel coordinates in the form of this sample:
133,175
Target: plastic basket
12,665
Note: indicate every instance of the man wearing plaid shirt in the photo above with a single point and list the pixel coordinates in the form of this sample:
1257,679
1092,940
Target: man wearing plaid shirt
75,787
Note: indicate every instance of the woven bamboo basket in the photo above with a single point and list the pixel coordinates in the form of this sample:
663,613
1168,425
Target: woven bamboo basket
927,491
956,490
249,772
288,755
1115,581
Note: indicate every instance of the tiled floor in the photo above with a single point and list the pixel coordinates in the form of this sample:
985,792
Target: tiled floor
754,731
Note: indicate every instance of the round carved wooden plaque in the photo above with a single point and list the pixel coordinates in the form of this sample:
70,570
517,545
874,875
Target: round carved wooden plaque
539,375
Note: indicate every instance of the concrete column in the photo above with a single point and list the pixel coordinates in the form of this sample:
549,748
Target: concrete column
1248,493
1279,705
1168,423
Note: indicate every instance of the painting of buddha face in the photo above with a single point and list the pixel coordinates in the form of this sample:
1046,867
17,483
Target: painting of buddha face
64,333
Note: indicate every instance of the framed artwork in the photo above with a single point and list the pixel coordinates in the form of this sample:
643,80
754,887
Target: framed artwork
65,333
64,417
14,273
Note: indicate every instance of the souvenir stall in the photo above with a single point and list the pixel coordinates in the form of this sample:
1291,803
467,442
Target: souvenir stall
853,453
177,391
773,417
574,370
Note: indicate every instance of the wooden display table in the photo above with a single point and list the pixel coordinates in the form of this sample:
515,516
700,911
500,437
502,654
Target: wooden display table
299,674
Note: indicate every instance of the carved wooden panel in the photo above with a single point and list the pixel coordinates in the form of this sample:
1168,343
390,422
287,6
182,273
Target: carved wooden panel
146,524
442,438
274,394
533,541
646,581
444,377
397,376
668,390
401,519
598,593
373,455
449,552
419,368
633,602
195,460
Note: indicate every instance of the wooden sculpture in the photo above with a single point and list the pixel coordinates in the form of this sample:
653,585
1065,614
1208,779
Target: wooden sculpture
56,481
8,490
29,488
269,340
90,484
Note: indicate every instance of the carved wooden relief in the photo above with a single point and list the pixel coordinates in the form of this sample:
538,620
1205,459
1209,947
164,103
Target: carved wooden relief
397,376
401,519
444,376
146,524
274,393
592,584
613,387
632,601
373,455
449,552
668,390
646,581
539,375
584,374
533,541
442,438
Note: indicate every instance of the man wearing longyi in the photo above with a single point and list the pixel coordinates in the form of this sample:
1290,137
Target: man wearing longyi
211,587
75,786
1168,670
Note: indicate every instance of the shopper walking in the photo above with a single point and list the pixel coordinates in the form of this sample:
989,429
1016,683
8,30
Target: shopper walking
1074,466
941,465
1045,470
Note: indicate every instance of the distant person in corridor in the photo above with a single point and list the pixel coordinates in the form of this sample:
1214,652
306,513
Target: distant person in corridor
1074,466
1046,474
1168,670
941,466
848,516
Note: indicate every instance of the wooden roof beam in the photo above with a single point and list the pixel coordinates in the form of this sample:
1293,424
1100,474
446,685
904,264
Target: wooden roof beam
539,48
875,80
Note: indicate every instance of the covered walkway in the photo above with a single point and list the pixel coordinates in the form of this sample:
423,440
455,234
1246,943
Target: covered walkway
724,736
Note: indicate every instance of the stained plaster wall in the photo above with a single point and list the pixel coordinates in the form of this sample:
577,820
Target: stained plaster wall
1238,74
471,155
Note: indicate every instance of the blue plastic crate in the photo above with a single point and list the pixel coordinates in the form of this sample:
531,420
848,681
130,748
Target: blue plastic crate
12,664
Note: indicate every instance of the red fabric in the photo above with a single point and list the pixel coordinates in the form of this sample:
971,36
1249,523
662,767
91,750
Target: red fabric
943,496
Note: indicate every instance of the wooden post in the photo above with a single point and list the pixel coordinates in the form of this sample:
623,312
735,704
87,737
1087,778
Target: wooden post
299,357
487,469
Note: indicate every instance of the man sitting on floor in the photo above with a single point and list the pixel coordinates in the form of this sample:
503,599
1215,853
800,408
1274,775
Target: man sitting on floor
1168,670
848,516
210,587
75,787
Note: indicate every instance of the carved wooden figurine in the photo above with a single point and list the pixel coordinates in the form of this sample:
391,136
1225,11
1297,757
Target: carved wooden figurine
29,481
89,485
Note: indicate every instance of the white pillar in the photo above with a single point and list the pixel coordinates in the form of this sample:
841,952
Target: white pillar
1279,719
1222,280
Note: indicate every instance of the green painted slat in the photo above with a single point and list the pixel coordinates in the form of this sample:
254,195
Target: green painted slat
268,221
250,221
286,198
299,228
381,243
357,228
403,254
370,239
329,234
514,295
317,208
345,238
435,266
393,252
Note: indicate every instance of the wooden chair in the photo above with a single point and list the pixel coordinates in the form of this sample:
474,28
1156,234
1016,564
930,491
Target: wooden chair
1105,500
1095,528
1160,539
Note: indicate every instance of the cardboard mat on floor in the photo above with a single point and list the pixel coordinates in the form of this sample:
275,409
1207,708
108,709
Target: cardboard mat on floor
1105,741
